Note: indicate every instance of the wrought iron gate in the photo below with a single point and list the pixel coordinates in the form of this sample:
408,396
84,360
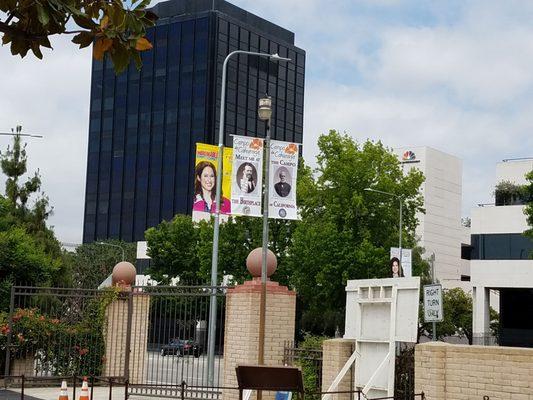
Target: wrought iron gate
153,337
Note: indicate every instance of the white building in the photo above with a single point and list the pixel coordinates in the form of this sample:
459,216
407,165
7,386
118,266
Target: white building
500,261
439,230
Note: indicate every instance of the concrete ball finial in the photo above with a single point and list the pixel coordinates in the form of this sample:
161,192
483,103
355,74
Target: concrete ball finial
123,274
254,259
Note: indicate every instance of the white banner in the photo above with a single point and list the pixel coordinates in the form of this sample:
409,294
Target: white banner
406,261
282,188
247,176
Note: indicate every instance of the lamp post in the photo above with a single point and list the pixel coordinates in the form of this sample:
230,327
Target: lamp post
400,200
114,245
216,228
265,112
17,132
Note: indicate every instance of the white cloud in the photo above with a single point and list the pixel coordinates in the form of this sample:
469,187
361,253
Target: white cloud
451,75
51,97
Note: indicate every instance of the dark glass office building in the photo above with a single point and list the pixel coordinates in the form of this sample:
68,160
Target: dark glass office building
144,125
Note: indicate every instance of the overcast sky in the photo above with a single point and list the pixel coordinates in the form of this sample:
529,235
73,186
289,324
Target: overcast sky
453,75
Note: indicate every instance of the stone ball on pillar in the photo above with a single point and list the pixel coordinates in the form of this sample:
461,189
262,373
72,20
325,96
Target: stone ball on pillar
123,274
254,261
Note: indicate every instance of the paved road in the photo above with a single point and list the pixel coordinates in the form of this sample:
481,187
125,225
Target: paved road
175,369
168,370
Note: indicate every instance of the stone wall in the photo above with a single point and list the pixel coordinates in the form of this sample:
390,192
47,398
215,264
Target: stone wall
335,354
446,371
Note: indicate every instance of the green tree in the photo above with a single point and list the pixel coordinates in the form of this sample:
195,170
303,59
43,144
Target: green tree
346,232
91,263
29,251
457,316
172,245
116,27
15,208
24,260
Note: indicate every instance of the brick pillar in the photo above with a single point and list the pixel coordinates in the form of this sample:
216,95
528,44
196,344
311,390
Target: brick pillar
139,338
115,337
335,354
430,370
241,335
116,334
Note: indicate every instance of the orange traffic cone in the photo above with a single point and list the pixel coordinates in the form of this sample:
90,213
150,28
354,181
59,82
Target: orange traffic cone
63,394
84,395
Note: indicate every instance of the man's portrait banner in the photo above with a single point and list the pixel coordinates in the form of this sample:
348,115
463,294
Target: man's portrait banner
247,176
283,171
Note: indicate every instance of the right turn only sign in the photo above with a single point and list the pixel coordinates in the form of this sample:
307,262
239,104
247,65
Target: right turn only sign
433,303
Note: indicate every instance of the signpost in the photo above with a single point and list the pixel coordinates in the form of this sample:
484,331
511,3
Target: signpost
433,303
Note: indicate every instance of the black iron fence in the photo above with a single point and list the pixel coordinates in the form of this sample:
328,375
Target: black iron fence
152,337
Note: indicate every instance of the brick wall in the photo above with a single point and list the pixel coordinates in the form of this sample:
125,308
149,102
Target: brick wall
241,336
115,335
446,371
335,353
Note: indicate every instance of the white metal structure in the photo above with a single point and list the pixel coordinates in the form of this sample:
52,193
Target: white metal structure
379,313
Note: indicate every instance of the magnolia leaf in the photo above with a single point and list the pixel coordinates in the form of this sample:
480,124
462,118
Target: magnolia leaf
36,50
100,47
45,42
6,38
42,15
104,22
137,58
120,58
118,17
84,22
143,44
84,39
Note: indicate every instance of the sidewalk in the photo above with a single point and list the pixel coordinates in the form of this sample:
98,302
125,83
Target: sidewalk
50,393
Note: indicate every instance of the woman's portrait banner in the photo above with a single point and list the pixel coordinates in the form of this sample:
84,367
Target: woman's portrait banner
247,176
205,181
283,171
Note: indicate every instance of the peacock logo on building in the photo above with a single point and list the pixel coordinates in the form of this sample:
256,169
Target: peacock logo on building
408,156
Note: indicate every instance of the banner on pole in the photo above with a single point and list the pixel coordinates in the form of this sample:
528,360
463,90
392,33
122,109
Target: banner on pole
406,261
247,176
205,181
282,179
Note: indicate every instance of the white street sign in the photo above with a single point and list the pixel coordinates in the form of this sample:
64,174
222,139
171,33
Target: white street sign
433,303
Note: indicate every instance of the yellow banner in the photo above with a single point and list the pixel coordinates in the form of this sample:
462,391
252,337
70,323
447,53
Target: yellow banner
205,181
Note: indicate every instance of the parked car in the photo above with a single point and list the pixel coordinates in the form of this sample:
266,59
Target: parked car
182,347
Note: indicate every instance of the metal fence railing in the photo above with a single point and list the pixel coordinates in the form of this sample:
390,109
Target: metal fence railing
152,337
113,388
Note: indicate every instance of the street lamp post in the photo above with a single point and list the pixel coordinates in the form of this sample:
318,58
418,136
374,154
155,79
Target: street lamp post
400,200
265,112
114,245
18,132
216,228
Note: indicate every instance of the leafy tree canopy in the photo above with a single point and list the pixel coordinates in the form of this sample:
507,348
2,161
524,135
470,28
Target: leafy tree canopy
457,316
91,263
183,248
15,206
116,27
29,251
346,232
